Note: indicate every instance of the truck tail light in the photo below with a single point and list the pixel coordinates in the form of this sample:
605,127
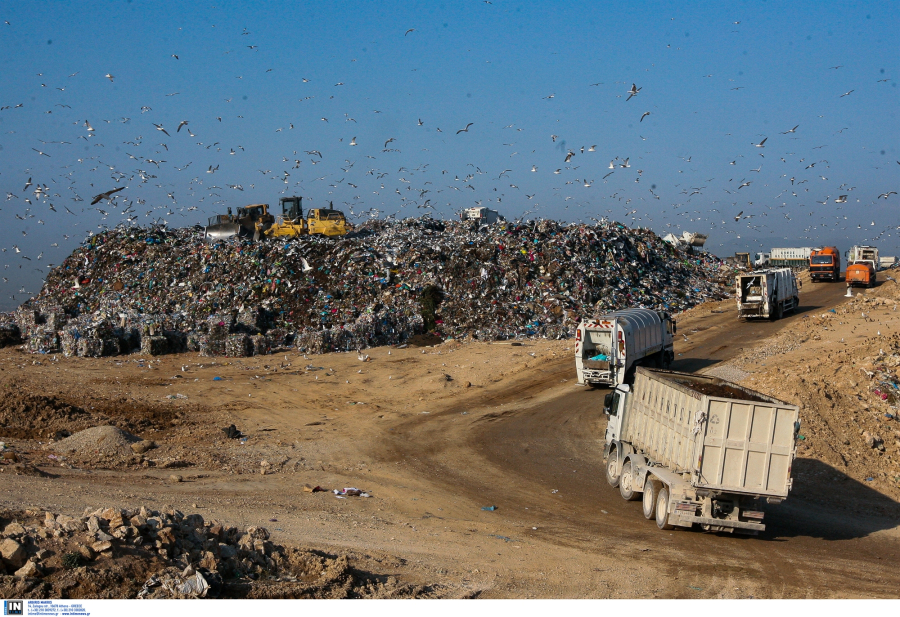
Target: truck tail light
578,334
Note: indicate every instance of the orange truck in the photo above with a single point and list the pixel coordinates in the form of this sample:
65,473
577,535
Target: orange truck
825,264
861,273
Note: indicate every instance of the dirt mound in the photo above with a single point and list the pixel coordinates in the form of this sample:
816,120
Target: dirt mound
32,416
24,414
107,440
889,288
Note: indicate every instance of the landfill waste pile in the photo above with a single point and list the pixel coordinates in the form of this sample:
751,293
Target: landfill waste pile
160,291
144,553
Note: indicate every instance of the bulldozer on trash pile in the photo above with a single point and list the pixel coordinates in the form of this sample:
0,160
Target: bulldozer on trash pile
256,222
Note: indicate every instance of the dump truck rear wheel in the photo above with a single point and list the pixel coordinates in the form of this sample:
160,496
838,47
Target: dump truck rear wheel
662,509
626,483
612,468
651,490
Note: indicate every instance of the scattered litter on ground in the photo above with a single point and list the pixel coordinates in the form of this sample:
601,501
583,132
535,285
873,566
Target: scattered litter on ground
348,492
231,432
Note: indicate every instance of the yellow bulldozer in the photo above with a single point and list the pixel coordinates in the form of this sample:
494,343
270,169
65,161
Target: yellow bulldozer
318,221
255,221
249,222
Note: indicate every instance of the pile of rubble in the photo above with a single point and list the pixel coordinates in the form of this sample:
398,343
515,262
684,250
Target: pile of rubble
116,553
159,291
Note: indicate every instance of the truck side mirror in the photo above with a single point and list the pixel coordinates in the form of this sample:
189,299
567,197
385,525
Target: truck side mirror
674,327
607,402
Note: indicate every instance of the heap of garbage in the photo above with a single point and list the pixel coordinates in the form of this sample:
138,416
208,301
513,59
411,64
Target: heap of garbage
159,290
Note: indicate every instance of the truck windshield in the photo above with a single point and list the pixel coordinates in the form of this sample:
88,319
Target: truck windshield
821,260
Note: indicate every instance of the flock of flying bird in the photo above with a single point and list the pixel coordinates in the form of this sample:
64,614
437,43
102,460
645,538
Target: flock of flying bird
125,196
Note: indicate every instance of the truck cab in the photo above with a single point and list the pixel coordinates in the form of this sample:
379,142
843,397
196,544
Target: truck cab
825,264
612,403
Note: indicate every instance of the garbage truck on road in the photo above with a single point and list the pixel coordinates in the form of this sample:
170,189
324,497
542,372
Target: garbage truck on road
608,348
699,450
767,293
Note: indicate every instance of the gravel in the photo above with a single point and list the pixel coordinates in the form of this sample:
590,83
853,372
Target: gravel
728,373
103,439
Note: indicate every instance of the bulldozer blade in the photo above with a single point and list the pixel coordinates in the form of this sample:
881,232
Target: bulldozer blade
222,231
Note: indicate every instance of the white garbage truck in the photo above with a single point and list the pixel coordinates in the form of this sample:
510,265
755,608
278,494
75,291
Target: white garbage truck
864,253
609,347
699,450
484,216
767,293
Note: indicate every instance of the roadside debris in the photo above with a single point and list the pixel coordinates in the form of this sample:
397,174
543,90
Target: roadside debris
231,432
349,492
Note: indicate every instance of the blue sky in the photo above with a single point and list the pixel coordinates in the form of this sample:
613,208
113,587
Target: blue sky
716,78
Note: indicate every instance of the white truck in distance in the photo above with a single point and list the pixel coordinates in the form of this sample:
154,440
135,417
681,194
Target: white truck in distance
484,216
864,253
699,450
790,257
609,347
767,293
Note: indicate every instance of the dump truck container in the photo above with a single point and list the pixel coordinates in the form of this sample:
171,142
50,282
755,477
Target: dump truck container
699,450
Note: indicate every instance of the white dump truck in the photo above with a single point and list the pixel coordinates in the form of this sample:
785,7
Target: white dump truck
767,293
699,450
609,347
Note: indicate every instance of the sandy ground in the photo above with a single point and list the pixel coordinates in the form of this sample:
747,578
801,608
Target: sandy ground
436,434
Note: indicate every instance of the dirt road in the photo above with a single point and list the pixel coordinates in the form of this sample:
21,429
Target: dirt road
439,436
546,459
